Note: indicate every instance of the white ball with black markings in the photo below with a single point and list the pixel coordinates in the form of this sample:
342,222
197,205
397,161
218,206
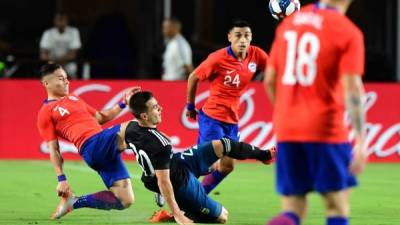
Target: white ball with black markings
280,9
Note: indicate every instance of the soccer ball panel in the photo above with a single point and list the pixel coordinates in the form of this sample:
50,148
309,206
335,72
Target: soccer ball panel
282,8
290,9
276,7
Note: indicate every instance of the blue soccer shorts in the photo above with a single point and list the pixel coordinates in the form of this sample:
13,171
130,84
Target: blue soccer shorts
101,153
198,159
211,129
304,167
191,196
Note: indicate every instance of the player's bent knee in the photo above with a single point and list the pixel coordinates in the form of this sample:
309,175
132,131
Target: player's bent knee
223,218
226,169
218,148
127,202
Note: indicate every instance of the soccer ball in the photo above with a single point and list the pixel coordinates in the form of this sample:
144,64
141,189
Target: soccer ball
281,8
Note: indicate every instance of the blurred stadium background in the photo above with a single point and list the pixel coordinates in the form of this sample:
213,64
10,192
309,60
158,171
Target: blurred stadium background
122,38
122,46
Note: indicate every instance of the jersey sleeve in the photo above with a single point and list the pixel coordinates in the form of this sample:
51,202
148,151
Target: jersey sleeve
206,68
162,159
46,126
262,59
353,56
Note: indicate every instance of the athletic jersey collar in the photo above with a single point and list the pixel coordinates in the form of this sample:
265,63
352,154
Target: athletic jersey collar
47,101
229,50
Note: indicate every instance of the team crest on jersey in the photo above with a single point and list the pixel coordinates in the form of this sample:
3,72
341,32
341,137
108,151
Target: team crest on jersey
73,98
252,67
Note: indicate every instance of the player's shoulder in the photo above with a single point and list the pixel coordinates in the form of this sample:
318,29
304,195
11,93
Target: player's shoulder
74,98
137,133
218,54
350,26
47,106
343,28
157,137
256,49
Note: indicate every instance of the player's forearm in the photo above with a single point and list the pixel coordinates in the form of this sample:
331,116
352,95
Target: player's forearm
167,192
354,93
271,91
188,69
106,115
192,88
56,160
356,112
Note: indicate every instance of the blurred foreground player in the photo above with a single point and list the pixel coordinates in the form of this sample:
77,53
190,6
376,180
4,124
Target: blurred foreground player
314,71
69,117
174,175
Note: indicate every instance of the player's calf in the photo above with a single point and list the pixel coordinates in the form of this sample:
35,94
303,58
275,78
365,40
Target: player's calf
241,150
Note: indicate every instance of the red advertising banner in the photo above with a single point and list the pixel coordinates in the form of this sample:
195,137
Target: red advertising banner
20,101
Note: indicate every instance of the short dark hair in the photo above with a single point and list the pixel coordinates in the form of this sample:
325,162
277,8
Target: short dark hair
239,23
137,103
49,68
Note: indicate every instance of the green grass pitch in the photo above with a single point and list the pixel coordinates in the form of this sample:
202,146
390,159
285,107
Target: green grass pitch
27,196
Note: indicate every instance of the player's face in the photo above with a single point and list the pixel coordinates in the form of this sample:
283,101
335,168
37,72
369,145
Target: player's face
240,39
57,83
154,112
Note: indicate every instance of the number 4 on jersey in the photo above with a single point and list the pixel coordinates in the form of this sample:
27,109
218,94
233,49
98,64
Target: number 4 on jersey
63,111
306,58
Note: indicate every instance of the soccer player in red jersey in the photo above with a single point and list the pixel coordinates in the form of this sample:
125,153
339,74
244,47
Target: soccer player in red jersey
313,76
69,117
228,70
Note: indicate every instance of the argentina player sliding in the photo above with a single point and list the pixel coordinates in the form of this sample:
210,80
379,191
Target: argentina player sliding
174,175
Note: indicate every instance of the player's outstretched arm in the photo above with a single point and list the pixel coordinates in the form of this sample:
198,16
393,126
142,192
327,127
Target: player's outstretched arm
166,189
109,114
63,188
270,83
193,80
354,93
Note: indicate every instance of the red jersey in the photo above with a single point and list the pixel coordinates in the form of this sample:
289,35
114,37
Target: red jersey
311,50
228,77
69,118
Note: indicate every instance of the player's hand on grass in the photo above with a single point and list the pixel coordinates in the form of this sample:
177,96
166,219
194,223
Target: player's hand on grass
360,158
191,114
182,219
63,189
129,93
